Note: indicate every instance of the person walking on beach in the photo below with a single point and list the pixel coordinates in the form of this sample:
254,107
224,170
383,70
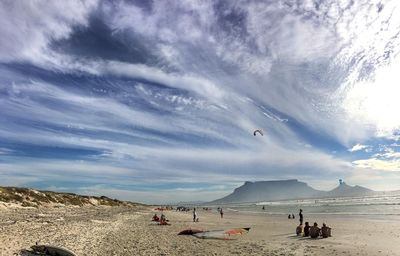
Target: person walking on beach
194,215
221,213
301,216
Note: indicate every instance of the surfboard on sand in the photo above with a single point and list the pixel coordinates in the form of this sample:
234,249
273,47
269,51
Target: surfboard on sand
222,234
47,250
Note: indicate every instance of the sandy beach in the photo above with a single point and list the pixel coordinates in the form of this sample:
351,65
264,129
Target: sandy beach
129,231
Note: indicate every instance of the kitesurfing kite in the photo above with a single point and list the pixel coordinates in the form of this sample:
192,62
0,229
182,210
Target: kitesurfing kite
258,131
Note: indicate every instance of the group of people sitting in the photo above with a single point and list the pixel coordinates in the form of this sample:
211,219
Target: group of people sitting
313,231
162,220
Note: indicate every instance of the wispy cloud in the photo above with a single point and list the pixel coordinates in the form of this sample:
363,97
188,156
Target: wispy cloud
6,151
358,147
27,28
378,164
104,94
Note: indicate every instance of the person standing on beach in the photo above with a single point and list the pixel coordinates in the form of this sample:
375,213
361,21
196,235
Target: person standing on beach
194,215
221,212
301,216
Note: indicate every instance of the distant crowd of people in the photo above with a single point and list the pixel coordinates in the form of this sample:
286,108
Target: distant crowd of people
163,221
195,215
314,231
311,231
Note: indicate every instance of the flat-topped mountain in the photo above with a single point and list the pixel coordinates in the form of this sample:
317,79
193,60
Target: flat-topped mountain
25,197
285,190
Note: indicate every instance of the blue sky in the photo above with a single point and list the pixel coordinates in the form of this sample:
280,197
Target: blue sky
157,101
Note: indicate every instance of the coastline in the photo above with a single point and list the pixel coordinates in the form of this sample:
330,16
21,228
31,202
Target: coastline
129,231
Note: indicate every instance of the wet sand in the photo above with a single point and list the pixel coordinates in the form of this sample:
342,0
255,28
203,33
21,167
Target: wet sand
129,231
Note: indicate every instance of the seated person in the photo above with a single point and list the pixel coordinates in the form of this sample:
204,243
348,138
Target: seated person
289,216
299,229
325,231
314,230
162,217
306,229
155,217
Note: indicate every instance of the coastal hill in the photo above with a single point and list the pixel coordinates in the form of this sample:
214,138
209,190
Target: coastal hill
344,190
285,190
25,197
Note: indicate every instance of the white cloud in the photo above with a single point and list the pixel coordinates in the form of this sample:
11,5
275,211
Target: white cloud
186,82
378,164
358,147
375,103
6,151
279,31
289,34
367,95
268,65
386,160
27,27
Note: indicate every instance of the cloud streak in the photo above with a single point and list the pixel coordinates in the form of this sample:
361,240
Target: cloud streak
121,97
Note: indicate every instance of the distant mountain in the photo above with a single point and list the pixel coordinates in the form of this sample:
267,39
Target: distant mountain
270,190
285,190
25,197
344,190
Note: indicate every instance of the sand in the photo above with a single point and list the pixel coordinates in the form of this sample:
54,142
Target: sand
129,231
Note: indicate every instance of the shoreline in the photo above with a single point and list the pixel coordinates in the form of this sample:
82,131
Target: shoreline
372,216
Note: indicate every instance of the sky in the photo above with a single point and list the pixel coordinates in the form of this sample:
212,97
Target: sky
156,101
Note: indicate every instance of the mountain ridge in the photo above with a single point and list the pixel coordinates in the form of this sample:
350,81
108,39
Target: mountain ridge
275,190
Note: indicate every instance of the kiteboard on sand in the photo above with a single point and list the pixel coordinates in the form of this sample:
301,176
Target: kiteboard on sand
47,250
217,234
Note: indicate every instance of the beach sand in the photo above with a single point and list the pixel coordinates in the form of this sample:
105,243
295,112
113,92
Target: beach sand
129,231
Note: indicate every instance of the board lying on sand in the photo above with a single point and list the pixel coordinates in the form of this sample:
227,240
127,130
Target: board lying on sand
47,250
222,234
190,231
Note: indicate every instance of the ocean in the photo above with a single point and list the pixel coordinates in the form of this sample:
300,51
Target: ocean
369,205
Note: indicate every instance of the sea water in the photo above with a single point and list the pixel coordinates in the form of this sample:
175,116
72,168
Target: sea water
369,205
